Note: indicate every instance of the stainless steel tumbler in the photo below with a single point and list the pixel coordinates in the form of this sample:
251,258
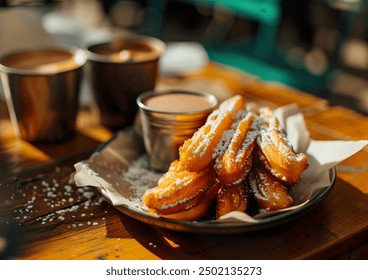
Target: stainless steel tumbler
168,118
119,71
41,87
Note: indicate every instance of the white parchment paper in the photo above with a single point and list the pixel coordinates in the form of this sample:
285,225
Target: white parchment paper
121,169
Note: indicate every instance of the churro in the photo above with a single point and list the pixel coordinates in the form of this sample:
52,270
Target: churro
178,190
268,191
198,152
196,212
234,164
231,198
277,154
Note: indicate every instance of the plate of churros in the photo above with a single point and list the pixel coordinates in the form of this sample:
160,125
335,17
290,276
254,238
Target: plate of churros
239,172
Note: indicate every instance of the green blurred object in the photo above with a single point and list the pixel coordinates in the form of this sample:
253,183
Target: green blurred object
268,15
266,12
297,78
259,55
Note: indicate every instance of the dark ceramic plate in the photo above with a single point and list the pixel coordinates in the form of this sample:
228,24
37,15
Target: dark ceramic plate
127,145
208,227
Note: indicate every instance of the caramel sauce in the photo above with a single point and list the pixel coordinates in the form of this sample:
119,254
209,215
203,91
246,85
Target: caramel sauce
179,103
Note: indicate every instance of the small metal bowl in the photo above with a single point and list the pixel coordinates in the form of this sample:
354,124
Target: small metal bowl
165,128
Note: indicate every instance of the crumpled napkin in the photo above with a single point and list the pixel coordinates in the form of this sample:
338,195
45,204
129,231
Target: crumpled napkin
121,169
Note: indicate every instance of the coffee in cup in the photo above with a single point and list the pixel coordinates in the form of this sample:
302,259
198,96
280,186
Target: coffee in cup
120,70
41,87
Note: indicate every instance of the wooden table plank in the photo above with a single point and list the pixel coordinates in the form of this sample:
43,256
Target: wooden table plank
344,124
340,123
224,81
17,154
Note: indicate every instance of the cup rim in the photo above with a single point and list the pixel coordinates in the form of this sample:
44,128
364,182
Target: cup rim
158,44
79,54
140,101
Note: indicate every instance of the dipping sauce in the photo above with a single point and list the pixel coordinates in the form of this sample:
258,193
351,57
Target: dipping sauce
179,103
126,51
46,61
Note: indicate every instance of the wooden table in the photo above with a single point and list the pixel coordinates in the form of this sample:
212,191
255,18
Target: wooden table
45,216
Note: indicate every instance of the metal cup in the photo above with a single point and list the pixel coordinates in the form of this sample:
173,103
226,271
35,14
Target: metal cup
165,130
41,87
120,70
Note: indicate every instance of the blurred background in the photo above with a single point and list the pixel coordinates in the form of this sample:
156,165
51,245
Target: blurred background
317,46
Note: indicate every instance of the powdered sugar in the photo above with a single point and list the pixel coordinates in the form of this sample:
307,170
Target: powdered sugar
141,176
53,200
224,143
